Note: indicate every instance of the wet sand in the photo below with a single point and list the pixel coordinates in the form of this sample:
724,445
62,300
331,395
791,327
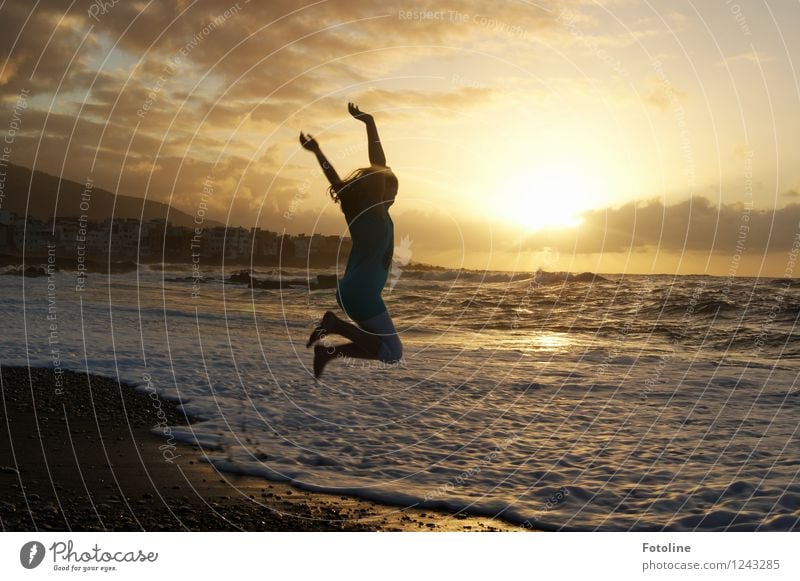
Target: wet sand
81,456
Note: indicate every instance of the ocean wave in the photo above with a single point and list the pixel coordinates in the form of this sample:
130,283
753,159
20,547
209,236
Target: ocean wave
540,277
492,422
457,275
684,306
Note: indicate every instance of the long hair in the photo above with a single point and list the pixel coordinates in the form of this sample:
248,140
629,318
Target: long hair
363,189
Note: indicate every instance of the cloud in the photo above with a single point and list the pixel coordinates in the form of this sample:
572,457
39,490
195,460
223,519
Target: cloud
687,235
753,57
661,94
189,81
38,48
695,224
227,84
678,19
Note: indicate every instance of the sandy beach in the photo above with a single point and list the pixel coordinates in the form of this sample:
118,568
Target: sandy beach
82,456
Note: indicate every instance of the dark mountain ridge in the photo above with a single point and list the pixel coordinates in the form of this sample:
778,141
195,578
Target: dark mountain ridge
45,191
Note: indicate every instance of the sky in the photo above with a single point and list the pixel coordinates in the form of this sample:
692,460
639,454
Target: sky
606,136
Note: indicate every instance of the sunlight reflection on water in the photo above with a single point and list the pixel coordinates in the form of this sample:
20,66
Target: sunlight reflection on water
541,342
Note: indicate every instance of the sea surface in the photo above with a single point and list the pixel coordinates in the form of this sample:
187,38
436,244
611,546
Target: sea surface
617,403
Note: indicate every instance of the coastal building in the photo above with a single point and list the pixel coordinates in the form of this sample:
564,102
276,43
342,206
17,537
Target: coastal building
131,239
265,243
125,236
333,246
152,237
286,248
7,220
34,236
304,246
96,241
232,243
179,243
69,231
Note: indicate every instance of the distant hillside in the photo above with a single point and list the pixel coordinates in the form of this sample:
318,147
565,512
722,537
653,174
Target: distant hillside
45,188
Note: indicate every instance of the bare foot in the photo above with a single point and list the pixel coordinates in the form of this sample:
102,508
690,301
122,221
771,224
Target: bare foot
317,334
321,358
326,326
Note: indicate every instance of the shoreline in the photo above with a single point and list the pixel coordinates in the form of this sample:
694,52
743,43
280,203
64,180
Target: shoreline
82,456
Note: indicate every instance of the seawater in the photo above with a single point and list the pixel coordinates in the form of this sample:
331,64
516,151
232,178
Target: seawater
611,403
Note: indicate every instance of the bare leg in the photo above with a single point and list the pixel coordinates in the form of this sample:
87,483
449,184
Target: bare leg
331,324
323,355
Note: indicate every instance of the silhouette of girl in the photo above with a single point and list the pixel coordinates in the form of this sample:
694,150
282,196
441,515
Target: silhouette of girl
365,197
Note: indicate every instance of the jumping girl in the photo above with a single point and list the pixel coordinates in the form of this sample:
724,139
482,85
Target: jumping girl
365,197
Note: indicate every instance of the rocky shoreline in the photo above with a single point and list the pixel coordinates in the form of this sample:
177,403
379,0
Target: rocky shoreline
82,456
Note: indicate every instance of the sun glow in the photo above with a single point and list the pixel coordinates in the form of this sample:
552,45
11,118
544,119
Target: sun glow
551,194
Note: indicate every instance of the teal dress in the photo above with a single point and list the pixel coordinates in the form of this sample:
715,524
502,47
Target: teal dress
359,290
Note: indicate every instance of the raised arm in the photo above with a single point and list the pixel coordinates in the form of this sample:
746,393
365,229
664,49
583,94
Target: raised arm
311,145
376,155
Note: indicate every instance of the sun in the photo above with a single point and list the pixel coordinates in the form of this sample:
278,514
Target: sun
552,194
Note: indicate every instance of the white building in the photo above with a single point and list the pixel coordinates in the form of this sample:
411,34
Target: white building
306,245
234,242
34,236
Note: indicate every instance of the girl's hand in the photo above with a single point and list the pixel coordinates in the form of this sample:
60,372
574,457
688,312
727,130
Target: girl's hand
309,143
358,114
